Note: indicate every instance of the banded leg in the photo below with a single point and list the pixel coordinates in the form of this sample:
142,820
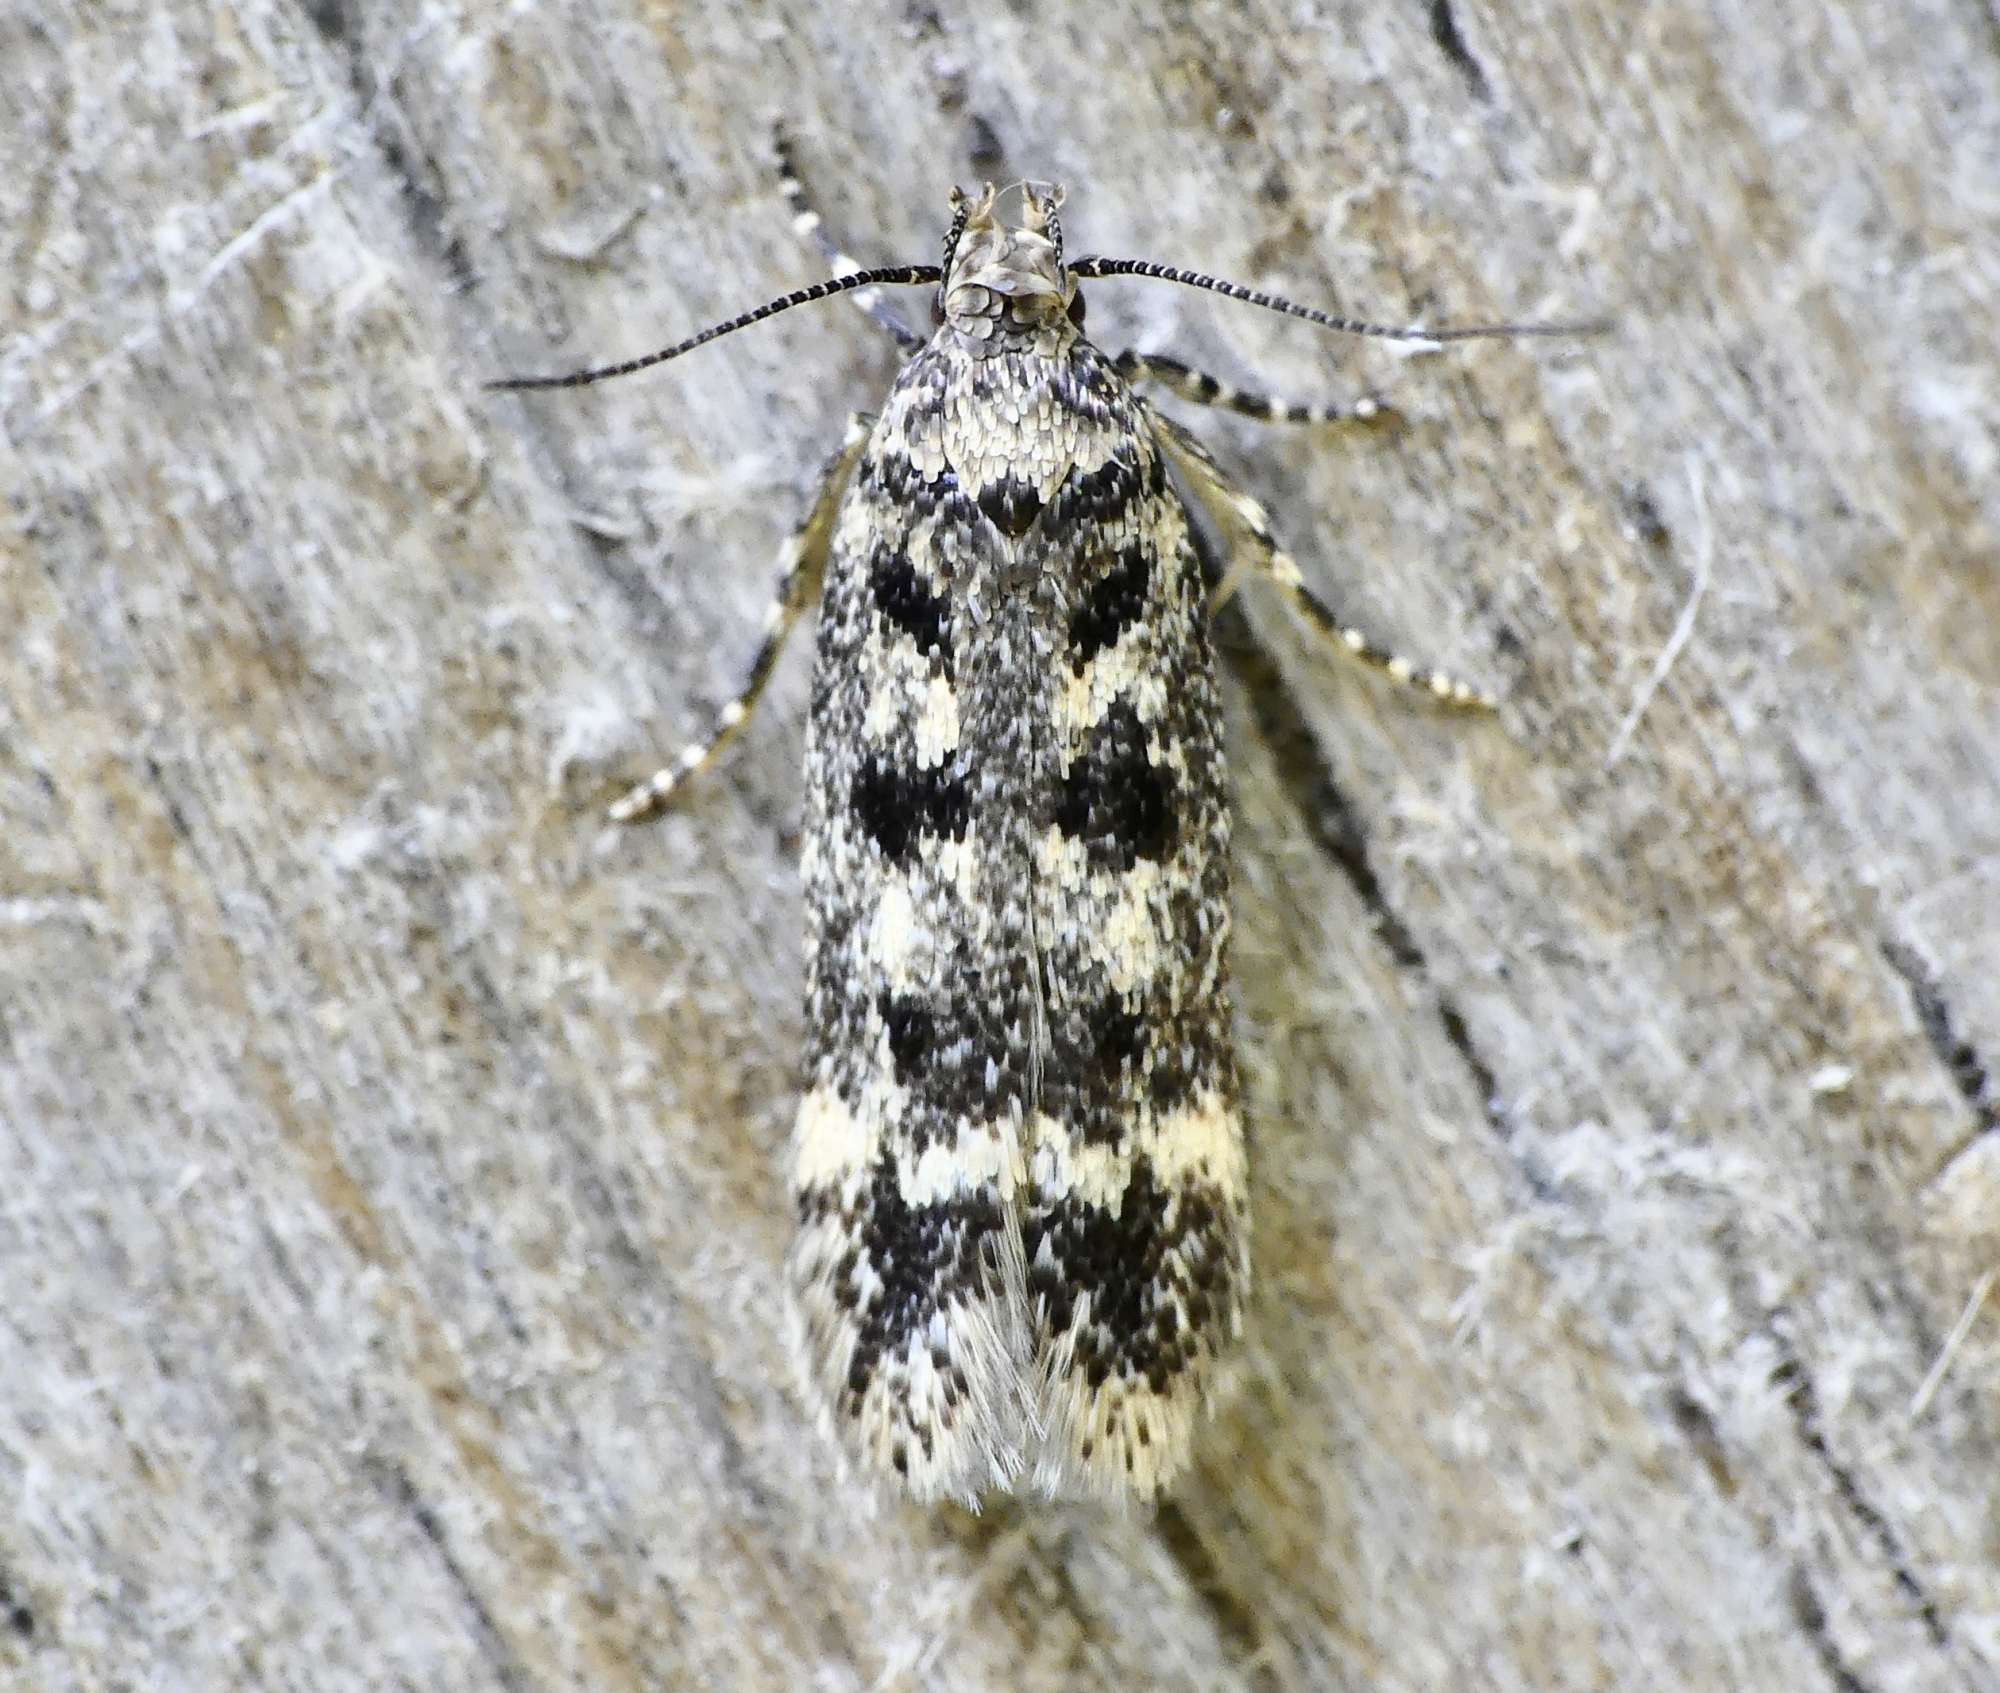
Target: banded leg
808,223
799,565
1205,390
1244,518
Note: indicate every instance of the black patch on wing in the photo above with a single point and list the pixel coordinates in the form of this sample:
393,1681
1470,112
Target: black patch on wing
1114,799
896,807
907,604
1011,504
894,476
920,1259
1160,1240
1110,1061
1100,496
894,479
1087,1080
1111,605
912,1034
958,1052
1117,1037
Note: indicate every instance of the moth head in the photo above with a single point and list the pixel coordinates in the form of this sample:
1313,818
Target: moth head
1005,287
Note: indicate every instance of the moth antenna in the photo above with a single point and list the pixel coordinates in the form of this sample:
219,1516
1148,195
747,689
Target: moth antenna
884,275
1095,266
1041,213
963,208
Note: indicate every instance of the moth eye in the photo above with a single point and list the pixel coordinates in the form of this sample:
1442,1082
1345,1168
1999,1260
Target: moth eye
1076,308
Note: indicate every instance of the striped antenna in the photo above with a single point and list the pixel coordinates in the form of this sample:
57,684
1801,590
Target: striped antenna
888,275
1102,267
961,211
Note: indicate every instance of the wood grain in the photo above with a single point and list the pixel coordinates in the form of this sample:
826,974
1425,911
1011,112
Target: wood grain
389,1217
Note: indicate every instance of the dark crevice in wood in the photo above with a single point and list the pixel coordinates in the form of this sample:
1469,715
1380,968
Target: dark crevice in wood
1697,1428
1335,828
1802,1399
1968,1072
1460,1036
423,203
507,1667
1306,777
1810,1615
1234,1621
15,1611
333,20
1444,31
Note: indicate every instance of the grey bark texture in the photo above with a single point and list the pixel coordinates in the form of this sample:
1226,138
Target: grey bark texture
390,1208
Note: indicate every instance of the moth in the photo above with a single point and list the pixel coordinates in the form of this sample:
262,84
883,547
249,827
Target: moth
1022,1246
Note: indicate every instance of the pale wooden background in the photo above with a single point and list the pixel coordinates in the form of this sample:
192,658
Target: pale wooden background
389,1216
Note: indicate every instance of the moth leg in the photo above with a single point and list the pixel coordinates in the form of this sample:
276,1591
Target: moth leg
1241,516
808,223
1205,390
800,562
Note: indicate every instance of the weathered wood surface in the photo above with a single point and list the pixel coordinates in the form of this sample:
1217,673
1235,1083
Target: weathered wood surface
389,1210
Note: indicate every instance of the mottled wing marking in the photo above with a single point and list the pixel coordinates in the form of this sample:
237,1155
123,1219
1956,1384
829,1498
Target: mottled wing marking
1135,1226
1019,1165
909,1153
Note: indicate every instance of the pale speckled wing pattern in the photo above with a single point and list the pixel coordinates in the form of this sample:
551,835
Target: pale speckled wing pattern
1018,1164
